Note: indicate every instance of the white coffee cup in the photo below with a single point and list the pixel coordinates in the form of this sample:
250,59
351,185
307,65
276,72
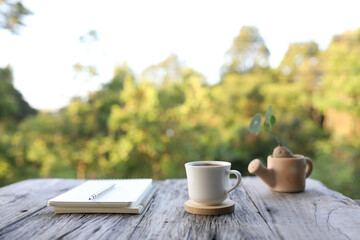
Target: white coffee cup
208,181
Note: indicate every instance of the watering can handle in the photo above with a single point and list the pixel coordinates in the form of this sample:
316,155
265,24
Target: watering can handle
309,167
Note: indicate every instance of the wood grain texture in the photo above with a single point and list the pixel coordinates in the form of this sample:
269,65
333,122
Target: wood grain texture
22,199
316,213
45,224
167,219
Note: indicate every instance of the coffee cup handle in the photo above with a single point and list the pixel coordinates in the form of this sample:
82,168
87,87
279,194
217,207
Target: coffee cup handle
309,167
238,180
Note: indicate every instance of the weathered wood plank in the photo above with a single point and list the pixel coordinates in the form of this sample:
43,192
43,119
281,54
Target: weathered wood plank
167,219
316,213
22,199
45,224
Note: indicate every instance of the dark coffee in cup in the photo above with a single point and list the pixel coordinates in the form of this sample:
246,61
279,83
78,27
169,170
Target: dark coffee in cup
207,165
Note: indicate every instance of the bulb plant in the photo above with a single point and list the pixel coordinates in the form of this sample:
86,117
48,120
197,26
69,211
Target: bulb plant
256,126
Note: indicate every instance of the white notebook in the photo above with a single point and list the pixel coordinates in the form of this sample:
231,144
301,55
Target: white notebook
118,193
133,209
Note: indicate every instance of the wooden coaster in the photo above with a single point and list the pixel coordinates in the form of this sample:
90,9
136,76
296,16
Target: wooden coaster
227,206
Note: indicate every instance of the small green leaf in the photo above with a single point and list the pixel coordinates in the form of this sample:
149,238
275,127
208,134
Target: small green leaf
272,120
267,126
255,124
268,114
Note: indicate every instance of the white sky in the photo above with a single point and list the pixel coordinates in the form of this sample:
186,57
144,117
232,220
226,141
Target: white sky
143,33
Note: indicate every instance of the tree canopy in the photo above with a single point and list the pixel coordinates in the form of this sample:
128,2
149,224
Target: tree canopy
12,14
150,125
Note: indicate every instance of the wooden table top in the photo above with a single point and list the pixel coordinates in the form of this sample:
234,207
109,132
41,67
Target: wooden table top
316,213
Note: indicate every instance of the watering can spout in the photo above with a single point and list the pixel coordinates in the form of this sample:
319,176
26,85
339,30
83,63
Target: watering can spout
267,175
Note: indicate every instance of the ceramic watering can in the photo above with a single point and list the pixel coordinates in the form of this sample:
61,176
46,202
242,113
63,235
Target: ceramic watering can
283,174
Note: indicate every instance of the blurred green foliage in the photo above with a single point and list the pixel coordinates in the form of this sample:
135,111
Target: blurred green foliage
149,126
12,14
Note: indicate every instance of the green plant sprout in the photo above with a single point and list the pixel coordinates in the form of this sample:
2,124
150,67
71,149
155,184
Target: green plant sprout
269,122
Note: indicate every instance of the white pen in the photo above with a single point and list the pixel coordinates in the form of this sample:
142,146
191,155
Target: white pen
101,191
